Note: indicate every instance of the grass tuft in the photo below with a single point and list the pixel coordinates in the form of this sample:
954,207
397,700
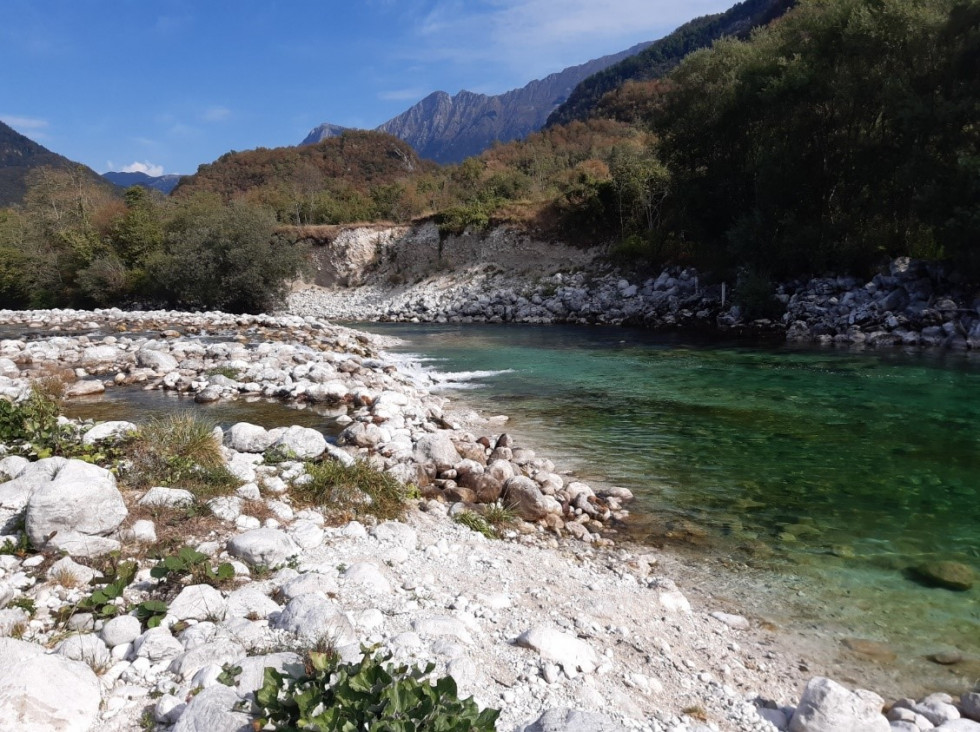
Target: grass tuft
178,451
349,492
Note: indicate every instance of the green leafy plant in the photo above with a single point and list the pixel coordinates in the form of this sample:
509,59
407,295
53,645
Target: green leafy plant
370,694
352,490
229,674
190,562
21,548
24,603
34,420
151,612
102,602
226,371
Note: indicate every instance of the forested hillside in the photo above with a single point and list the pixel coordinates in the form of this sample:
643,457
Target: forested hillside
659,58
20,155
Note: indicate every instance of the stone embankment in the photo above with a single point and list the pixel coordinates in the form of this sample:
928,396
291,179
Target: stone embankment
552,624
503,276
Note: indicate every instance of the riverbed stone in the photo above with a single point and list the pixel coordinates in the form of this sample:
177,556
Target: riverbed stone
40,692
970,705
84,387
108,431
947,574
573,654
247,437
169,497
263,547
303,443
157,360
527,499
438,449
826,706
198,602
572,720
82,498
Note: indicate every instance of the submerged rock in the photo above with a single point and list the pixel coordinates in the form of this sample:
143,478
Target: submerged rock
947,574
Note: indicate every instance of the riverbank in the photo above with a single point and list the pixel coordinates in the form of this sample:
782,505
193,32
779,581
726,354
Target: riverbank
411,274
426,587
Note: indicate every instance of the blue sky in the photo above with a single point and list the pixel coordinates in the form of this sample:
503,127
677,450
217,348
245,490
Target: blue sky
165,85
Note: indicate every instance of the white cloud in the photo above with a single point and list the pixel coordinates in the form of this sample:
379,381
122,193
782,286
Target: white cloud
24,123
535,38
216,114
138,167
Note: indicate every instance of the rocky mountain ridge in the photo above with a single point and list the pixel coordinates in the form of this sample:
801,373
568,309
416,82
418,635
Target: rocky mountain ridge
449,129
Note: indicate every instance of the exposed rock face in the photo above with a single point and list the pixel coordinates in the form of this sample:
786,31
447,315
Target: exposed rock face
323,132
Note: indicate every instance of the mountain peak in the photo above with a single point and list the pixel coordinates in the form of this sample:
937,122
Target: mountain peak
323,132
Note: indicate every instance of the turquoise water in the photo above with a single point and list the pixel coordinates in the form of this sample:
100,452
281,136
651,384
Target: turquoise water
824,474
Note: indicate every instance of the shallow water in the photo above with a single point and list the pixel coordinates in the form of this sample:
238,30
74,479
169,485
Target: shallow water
823,474
134,404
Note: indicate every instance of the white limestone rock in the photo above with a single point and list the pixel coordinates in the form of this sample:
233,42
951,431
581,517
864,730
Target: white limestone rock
157,644
572,720
213,710
87,648
304,443
247,437
826,706
263,547
120,630
313,617
220,652
253,668
571,653
169,497
41,692
367,577
436,448
250,602
107,431
81,498
159,361
198,602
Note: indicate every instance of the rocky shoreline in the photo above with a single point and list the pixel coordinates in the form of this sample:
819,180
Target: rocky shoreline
410,275
554,617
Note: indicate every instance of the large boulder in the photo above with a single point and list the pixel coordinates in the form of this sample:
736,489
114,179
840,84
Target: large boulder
107,431
214,710
247,437
81,499
45,693
157,360
826,706
436,449
303,443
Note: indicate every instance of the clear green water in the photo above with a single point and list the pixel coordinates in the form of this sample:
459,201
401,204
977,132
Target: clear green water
826,473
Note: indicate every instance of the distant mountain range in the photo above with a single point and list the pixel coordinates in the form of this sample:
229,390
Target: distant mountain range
162,183
449,129
20,155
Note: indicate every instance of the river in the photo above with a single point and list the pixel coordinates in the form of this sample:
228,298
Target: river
818,476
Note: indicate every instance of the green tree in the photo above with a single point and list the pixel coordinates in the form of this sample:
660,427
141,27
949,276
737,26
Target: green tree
222,256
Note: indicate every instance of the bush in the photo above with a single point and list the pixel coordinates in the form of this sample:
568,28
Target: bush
370,695
35,419
352,491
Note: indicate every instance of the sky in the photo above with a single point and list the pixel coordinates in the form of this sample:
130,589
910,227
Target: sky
162,86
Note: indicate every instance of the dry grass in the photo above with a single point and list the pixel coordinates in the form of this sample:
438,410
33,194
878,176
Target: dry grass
66,577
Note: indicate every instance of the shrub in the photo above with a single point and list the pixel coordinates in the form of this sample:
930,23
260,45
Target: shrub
369,694
35,419
194,564
351,491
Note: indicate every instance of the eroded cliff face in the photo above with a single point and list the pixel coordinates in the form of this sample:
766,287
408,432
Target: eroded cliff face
401,255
